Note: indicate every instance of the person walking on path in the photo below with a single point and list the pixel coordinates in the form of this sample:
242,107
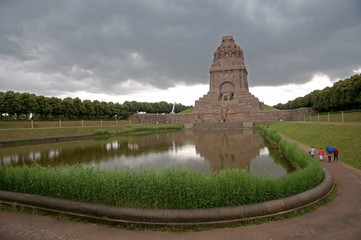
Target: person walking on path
329,155
335,155
321,153
312,152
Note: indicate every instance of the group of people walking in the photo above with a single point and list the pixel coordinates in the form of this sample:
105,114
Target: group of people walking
321,153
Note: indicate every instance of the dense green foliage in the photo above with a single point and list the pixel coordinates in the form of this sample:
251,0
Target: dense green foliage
171,188
14,105
343,95
345,137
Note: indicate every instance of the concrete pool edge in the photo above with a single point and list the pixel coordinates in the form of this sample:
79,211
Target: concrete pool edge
173,217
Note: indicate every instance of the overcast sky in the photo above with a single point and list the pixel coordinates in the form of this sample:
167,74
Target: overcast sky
161,50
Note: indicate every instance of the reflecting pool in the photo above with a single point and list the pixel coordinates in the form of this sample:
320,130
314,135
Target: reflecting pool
205,151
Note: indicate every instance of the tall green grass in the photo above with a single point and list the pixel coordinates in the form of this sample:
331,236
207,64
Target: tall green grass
310,173
170,189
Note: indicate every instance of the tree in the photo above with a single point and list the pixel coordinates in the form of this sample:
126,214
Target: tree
343,95
11,103
2,95
68,108
89,112
80,108
16,105
99,109
126,110
28,104
56,106
44,108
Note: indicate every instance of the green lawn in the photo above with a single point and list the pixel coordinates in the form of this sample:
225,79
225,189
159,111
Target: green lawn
266,107
16,134
345,137
188,110
33,133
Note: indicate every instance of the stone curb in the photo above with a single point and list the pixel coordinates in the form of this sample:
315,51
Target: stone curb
173,217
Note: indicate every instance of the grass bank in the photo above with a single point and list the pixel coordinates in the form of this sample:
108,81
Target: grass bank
147,128
346,138
36,133
171,188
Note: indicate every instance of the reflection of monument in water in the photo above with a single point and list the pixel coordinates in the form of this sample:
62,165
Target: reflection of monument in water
228,149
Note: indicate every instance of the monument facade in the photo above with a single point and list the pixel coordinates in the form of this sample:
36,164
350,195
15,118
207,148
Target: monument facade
228,98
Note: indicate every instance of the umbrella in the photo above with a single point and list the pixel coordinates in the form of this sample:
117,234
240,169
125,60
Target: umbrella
330,149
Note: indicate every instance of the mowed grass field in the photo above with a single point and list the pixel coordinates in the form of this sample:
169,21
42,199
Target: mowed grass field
347,138
350,116
19,134
50,129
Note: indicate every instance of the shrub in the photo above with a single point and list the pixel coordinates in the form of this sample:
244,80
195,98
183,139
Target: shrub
101,132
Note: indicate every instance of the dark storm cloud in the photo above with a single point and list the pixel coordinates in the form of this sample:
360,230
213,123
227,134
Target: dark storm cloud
58,46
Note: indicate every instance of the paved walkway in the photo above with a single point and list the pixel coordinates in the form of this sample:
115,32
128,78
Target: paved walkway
340,219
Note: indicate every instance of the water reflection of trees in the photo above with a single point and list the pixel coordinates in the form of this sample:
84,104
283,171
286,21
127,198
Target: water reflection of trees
90,151
223,149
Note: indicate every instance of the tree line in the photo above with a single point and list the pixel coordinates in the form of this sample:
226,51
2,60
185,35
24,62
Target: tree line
25,106
343,95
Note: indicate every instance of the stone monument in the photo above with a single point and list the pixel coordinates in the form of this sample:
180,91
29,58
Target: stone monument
228,103
228,98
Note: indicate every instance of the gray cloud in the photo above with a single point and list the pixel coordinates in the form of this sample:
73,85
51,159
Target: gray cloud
51,47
